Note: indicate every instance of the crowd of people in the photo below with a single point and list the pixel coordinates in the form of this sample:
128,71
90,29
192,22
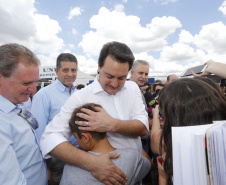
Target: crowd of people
113,131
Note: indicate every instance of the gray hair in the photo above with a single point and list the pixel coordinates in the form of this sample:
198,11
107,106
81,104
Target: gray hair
135,64
12,54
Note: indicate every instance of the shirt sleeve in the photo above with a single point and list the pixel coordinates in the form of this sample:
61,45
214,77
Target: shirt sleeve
9,169
138,111
40,110
58,131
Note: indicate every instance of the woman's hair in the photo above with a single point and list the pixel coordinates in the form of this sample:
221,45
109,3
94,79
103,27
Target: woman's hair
187,102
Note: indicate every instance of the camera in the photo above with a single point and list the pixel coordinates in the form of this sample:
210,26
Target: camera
151,99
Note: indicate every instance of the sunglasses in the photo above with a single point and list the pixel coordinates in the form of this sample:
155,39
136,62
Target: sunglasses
24,113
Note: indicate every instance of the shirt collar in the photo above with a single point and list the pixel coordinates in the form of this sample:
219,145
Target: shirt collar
98,88
62,88
5,105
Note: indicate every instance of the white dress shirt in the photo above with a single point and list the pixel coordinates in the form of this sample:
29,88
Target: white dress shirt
126,104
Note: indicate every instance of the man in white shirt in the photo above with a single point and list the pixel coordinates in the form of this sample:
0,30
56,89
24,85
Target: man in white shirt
123,116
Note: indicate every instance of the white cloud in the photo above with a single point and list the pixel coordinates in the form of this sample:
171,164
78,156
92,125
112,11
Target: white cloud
124,1
212,38
164,2
20,23
119,7
16,19
76,11
222,8
192,50
87,64
178,52
46,38
72,46
185,36
74,31
114,25
161,27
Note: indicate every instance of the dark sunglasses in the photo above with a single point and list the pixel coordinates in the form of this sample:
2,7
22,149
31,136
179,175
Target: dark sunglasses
24,113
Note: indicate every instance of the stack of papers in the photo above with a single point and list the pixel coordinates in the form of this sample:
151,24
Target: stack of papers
199,154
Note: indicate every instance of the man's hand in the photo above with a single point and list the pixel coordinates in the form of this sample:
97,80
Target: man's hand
97,121
105,171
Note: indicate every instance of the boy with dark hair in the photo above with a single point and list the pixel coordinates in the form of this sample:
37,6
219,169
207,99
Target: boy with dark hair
130,161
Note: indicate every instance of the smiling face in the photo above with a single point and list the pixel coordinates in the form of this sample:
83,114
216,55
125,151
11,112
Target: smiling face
18,87
67,73
140,75
112,75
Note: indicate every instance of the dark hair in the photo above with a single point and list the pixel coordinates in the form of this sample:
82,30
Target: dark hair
223,83
65,57
156,83
80,86
12,54
208,80
74,127
187,102
168,78
119,51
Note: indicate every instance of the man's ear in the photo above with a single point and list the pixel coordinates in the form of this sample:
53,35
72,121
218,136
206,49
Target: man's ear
56,70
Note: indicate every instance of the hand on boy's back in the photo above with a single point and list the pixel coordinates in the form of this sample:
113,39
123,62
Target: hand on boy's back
99,121
106,172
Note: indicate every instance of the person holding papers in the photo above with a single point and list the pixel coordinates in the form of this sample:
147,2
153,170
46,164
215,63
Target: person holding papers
184,102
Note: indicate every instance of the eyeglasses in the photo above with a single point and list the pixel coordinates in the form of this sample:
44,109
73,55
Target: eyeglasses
160,113
24,113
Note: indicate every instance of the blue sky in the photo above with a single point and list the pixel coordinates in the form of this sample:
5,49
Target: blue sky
171,35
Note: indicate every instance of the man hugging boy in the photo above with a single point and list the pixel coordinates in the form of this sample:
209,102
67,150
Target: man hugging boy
130,161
